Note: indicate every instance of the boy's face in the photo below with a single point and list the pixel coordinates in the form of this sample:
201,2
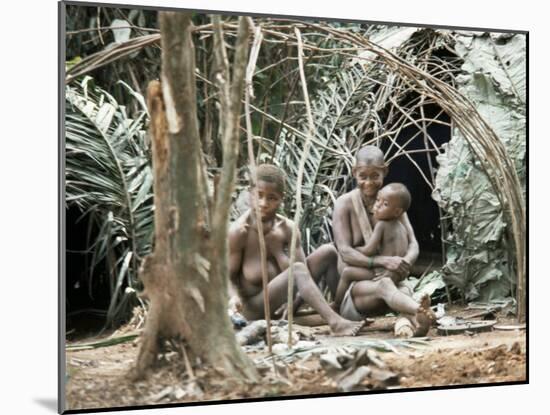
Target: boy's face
269,199
387,205
369,179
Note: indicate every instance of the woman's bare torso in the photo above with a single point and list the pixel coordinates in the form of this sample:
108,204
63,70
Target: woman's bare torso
356,235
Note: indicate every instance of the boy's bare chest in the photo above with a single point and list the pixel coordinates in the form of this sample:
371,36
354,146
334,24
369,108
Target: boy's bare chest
275,242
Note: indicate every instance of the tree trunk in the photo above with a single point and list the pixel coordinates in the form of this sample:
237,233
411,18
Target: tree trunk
185,277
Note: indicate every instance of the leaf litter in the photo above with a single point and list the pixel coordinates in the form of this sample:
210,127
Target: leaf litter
315,364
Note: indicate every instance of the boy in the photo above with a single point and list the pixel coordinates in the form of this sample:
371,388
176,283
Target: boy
245,265
374,294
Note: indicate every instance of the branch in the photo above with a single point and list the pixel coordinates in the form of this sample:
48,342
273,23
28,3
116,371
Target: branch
311,129
231,109
107,28
103,58
254,177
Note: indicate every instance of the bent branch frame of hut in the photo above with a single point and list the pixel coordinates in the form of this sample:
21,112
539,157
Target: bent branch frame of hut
485,145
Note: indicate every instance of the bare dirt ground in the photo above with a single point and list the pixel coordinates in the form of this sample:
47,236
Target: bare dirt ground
97,378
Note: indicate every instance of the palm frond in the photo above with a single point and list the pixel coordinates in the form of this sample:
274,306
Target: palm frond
108,173
342,112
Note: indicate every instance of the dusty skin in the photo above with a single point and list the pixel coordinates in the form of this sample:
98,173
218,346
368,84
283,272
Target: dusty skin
245,268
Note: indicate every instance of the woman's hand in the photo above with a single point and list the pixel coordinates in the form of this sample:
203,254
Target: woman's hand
396,264
395,276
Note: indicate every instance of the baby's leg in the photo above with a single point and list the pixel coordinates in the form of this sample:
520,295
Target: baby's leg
397,234
370,297
348,275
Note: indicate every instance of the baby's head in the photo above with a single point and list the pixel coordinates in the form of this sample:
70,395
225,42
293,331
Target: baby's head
391,202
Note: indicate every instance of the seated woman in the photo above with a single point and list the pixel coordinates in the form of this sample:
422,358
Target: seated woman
362,292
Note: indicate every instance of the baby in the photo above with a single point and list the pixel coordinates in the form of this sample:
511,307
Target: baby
389,237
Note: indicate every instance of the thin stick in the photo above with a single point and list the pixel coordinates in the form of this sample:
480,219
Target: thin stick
107,28
262,129
99,25
426,135
415,164
188,366
441,220
443,227
252,161
396,155
230,99
297,214
283,118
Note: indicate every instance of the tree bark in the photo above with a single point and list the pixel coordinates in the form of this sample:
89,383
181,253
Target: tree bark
185,278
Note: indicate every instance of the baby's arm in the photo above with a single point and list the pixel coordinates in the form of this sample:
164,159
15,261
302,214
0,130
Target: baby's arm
373,244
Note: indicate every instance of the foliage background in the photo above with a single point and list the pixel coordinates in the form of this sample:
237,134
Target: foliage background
356,101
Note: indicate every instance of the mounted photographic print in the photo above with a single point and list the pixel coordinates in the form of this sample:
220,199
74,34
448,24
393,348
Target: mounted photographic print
259,207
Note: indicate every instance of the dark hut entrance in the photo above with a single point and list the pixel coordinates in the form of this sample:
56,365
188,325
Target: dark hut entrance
423,213
87,297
